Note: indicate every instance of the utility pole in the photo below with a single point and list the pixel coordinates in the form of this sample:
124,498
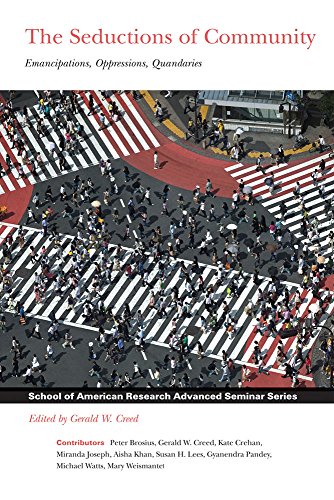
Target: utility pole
289,118
196,116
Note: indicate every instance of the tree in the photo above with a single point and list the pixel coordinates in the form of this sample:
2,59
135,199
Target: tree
326,104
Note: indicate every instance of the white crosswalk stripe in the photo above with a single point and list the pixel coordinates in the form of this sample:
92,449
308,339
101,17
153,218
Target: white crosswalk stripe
101,133
122,289
242,320
6,231
132,126
34,145
8,183
129,135
140,120
28,176
285,179
13,171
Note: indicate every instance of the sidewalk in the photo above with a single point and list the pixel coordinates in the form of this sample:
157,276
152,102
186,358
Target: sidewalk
174,126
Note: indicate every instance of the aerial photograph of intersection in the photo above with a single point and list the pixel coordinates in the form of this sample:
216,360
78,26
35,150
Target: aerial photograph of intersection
166,239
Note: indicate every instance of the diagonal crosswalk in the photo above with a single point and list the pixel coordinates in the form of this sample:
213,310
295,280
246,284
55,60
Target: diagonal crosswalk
285,178
122,289
129,135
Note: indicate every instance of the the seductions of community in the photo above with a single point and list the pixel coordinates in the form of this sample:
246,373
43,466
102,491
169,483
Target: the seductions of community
210,36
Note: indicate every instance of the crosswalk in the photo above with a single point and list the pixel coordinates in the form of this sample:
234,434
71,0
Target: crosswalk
129,135
286,176
121,289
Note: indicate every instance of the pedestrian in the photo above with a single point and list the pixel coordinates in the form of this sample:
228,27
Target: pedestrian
52,149
30,216
308,364
126,174
294,379
280,153
44,228
164,210
35,365
200,350
28,375
157,377
187,106
36,330
225,373
147,196
63,195
127,233
212,216
173,365
208,188
3,324
262,367
50,353
68,341
156,160
15,367
296,190
322,191
102,120
259,166
136,371
95,370
67,212
48,196
137,187
8,162
225,210
180,201
256,353
36,200
236,200
322,143
289,371
196,195
201,209
131,207
212,369
115,216
315,175
107,198
245,373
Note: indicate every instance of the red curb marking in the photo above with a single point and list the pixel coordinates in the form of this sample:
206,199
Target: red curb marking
16,203
184,169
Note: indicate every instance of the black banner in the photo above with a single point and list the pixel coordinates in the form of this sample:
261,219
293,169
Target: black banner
132,395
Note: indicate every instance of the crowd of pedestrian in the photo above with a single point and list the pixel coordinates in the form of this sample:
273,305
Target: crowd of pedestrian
274,312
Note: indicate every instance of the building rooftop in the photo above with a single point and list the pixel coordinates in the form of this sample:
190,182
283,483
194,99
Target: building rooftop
223,97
